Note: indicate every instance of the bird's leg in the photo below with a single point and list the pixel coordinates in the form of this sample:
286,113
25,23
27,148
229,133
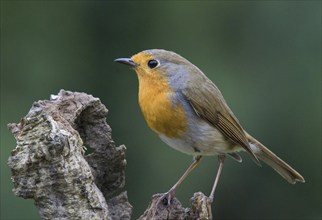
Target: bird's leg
221,159
168,196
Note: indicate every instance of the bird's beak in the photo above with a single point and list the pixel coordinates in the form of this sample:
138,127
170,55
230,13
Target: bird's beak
126,61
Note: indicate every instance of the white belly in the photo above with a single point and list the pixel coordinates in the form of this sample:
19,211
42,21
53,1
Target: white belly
201,139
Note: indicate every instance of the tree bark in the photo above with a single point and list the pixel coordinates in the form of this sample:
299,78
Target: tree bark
200,209
51,165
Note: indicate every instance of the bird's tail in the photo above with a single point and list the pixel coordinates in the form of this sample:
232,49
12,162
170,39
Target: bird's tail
268,157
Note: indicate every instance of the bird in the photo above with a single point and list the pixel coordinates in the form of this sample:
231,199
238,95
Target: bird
189,113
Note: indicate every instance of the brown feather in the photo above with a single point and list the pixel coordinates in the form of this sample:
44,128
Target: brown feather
271,159
209,104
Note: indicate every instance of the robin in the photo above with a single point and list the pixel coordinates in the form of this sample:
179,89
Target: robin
189,113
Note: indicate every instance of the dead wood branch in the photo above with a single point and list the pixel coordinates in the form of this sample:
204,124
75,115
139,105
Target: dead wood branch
49,165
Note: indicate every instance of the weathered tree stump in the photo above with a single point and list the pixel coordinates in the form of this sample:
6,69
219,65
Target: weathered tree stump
49,164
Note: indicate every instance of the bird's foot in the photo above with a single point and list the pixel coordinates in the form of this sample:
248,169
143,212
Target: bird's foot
167,198
210,199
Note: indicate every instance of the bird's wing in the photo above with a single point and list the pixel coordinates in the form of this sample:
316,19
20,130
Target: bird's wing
209,104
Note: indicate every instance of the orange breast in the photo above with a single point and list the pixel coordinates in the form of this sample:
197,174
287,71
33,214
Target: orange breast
160,113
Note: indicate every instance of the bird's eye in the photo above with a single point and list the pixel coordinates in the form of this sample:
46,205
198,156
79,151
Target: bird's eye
153,63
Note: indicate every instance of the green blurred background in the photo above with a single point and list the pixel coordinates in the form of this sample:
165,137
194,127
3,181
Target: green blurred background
264,56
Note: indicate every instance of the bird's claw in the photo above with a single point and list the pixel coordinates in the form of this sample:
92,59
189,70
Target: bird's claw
167,198
210,199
